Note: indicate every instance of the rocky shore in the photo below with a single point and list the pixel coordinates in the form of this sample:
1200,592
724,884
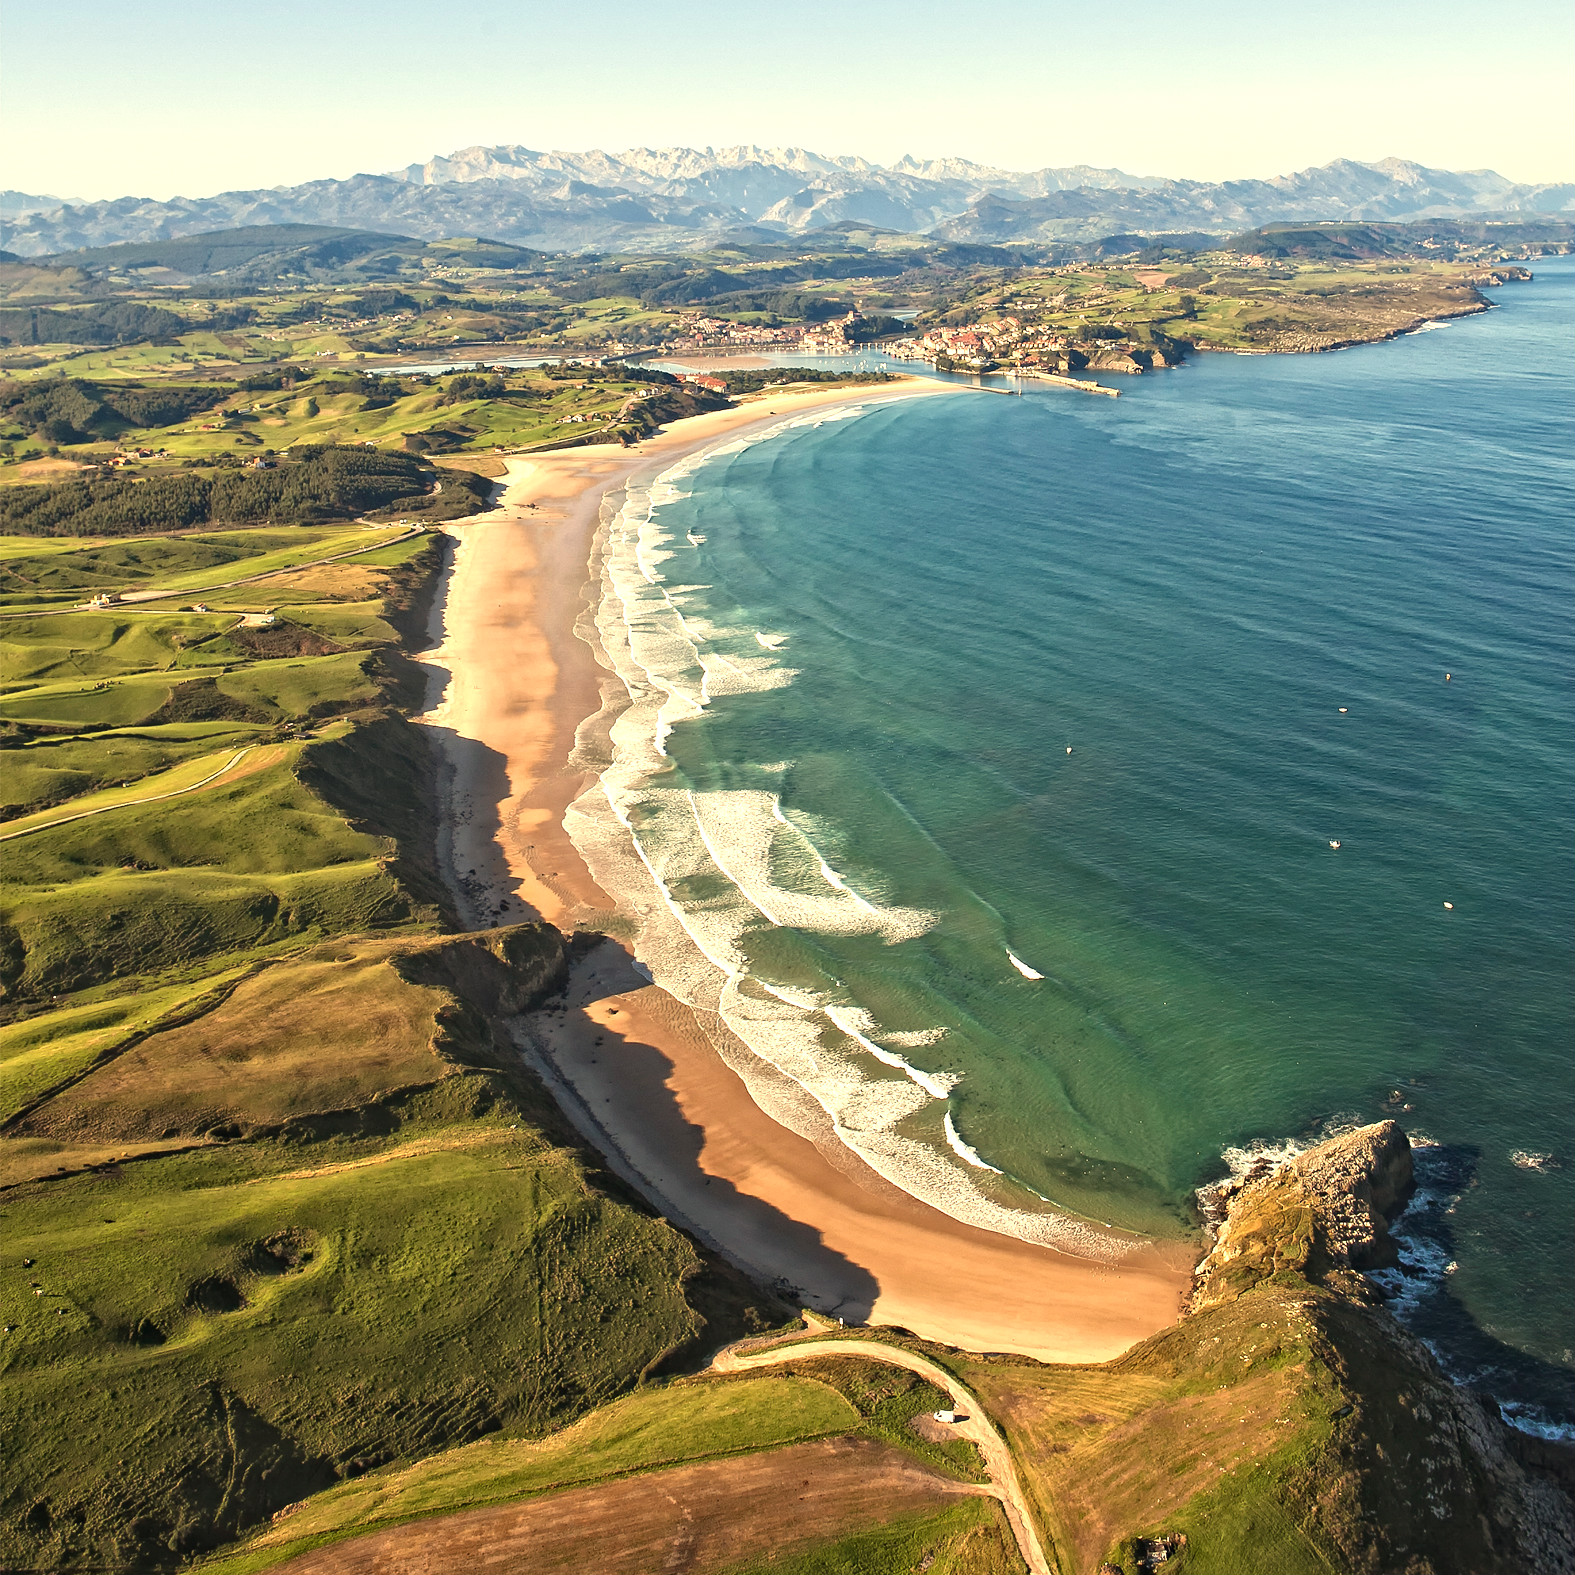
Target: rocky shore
1436,1478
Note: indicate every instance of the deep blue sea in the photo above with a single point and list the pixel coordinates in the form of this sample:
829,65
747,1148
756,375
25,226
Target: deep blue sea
1080,795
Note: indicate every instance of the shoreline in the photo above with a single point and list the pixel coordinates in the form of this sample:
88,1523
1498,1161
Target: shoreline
650,1081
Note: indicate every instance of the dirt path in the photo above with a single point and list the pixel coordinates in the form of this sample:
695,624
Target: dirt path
975,1425
134,598
127,803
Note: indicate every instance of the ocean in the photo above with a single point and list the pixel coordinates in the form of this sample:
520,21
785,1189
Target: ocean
1082,797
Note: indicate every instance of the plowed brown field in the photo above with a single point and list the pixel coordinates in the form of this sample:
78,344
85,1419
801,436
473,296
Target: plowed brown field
692,1519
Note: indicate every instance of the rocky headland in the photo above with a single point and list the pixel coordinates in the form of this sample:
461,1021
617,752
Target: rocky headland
1420,1474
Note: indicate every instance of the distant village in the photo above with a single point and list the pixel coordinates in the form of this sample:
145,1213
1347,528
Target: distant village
1003,341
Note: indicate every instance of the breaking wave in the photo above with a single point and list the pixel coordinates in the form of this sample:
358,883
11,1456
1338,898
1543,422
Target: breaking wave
715,876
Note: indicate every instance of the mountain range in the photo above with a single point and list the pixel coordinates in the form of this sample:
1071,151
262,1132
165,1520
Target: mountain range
670,199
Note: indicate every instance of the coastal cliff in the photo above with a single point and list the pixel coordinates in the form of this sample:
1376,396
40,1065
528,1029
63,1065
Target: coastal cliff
1287,1422
1422,1472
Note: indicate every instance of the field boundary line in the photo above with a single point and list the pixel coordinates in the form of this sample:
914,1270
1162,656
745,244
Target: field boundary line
154,798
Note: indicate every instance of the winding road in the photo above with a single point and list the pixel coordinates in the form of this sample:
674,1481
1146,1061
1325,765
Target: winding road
127,803
974,1425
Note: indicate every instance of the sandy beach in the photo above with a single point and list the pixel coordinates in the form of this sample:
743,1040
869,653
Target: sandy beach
645,1077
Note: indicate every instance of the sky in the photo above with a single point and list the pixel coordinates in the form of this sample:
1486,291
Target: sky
176,97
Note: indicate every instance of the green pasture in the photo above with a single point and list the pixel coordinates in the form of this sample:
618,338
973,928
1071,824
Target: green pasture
652,1428
41,1053
277,1313
51,770
346,621
252,861
301,686
887,1399
98,704
173,924
287,687
13,548
171,562
176,781
278,550
99,644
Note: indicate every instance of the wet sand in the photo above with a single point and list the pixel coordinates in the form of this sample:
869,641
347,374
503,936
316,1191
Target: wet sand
640,1072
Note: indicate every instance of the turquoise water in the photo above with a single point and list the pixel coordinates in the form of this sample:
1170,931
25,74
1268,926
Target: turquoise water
969,688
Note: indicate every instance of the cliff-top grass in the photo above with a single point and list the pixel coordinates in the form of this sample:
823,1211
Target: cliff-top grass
288,1208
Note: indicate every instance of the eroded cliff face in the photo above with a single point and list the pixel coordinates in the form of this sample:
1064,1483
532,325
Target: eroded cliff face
1417,1475
1325,1215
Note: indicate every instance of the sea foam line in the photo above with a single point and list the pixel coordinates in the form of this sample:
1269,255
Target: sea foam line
938,1085
966,1150
779,1026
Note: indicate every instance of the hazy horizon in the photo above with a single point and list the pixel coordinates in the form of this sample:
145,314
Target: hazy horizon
172,101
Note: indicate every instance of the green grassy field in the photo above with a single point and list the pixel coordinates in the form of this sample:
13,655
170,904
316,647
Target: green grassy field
290,1208
40,571
279,1312
887,1400
971,1539
686,1421
53,770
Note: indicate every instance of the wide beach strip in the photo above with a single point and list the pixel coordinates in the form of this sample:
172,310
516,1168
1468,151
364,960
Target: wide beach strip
792,1205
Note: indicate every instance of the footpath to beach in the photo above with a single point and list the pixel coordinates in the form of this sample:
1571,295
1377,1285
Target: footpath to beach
637,1070
972,1422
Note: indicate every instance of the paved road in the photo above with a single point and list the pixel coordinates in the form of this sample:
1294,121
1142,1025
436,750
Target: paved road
978,1426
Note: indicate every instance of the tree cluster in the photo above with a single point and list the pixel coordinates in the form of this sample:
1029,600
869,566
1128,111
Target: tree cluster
73,410
277,378
314,483
108,323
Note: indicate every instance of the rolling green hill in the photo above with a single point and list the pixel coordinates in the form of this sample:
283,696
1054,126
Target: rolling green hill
280,1202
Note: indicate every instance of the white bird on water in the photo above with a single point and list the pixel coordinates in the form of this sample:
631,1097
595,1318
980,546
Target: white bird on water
1334,844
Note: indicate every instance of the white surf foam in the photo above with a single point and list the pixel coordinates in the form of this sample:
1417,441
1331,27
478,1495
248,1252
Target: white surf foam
704,871
1023,968
853,1020
964,1150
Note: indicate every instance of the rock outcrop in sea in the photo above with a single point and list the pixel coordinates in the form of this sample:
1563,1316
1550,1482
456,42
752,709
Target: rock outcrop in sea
1418,1474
